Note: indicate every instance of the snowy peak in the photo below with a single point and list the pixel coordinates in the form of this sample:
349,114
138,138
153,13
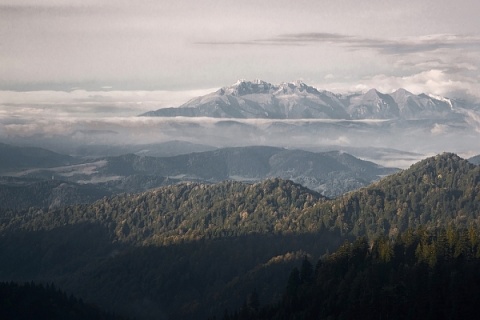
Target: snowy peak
297,100
401,93
243,87
297,87
448,101
372,94
412,105
375,95
373,105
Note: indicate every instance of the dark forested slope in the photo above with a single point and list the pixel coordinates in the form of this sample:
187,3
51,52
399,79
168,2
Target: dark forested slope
36,301
184,251
419,275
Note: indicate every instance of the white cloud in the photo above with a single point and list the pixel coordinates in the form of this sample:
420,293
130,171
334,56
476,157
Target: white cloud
473,119
82,103
434,81
439,129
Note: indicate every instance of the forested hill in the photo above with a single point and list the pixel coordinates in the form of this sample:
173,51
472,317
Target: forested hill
187,211
437,191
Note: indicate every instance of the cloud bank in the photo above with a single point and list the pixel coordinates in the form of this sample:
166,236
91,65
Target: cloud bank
84,104
440,64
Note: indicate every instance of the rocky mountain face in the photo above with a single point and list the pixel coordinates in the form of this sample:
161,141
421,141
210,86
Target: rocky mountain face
297,100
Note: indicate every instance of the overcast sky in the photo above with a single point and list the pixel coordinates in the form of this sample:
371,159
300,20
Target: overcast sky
422,45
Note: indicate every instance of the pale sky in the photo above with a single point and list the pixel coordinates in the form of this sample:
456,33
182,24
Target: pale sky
421,45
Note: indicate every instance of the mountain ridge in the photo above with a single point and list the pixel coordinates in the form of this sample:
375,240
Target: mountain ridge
16,157
297,100
331,173
439,190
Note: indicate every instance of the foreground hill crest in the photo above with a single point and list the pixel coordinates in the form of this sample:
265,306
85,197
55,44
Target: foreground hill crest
438,191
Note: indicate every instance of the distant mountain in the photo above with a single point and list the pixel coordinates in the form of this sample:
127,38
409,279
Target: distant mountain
163,149
475,160
331,173
387,157
14,158
260,99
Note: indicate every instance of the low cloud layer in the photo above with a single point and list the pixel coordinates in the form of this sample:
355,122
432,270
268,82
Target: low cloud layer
67,135
434,81
82,103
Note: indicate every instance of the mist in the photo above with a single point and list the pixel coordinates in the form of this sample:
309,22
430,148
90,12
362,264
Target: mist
69,134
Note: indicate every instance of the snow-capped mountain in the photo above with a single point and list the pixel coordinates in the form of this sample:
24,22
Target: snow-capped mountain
297,100
372,104
260,99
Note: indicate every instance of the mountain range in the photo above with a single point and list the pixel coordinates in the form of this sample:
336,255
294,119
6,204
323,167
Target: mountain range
297,100
33,183
331,173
